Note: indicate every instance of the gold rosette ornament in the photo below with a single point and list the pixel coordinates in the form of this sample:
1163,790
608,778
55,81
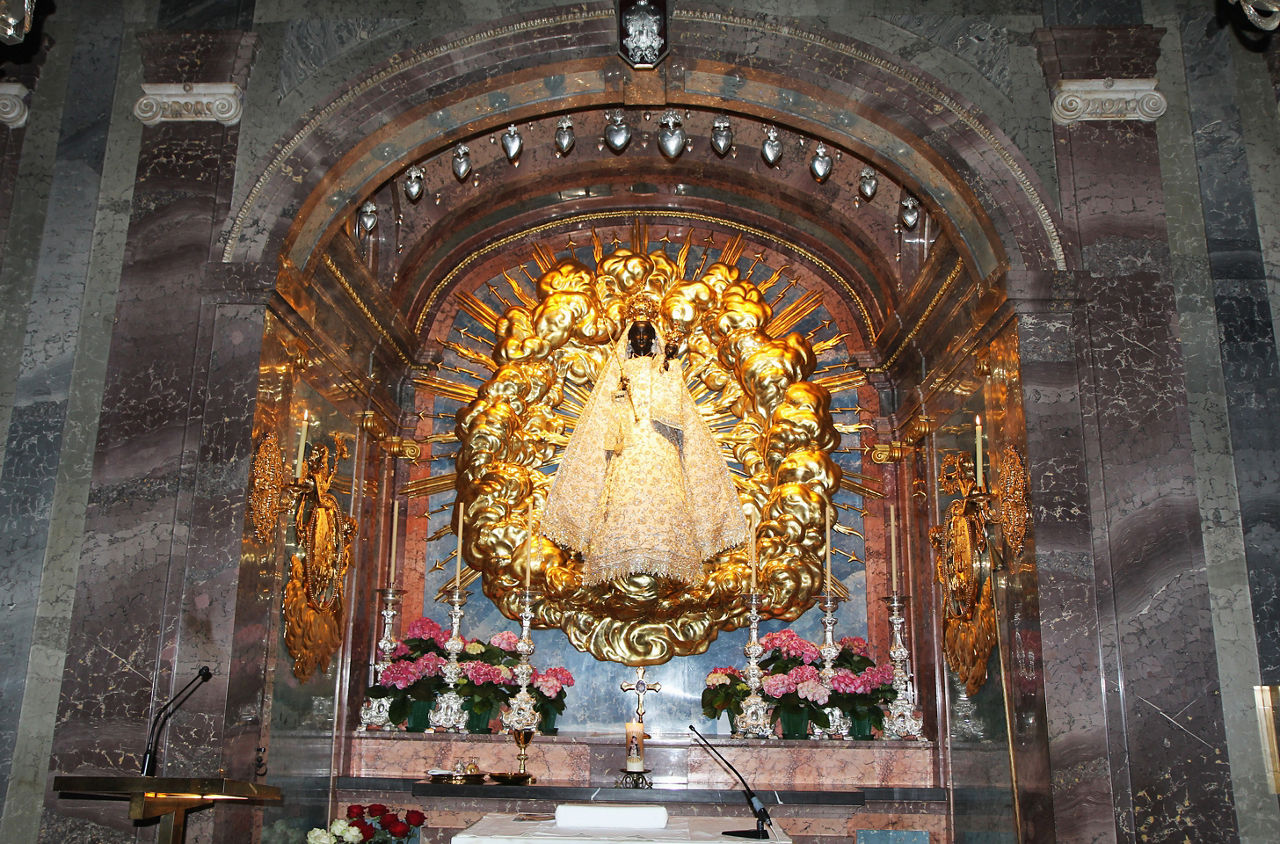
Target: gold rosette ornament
746,377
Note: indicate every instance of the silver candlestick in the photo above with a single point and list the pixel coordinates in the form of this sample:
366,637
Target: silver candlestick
448,713
522,714
754,720
829,650
376,713
902,721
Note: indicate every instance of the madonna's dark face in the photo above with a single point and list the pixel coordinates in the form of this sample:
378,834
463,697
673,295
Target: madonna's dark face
641,337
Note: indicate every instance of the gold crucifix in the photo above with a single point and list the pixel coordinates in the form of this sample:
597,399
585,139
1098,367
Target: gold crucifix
641,687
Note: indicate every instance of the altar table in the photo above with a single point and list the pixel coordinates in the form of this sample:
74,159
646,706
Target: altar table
504,829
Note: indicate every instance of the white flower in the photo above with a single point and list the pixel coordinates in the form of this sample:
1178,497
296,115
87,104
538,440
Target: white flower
320,836
353,835
338,829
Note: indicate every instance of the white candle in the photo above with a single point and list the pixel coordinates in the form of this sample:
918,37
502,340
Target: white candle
528,549
893,546
395,536
830,507
977,440
753,524
635,746
457,563
302,446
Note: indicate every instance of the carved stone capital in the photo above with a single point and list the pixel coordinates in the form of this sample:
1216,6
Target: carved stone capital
188,102
1107,99
13,104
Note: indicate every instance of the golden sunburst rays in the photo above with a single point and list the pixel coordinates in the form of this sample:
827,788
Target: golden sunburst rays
470,362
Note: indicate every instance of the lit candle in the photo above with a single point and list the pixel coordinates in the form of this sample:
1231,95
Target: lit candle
753,524
302,446
528,548
830,507
395,536
635,746
457,563
977,440
893,546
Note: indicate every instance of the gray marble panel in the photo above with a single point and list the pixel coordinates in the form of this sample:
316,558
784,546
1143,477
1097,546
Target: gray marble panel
1092,12
1250,369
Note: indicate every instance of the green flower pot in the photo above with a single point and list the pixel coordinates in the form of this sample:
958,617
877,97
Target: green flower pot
860,728
478,719
794,724
419,720
547,723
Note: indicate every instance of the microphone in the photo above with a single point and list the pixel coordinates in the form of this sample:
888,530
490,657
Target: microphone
757,807
204,675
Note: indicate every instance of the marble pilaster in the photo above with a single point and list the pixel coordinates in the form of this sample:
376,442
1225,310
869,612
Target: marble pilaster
1155,635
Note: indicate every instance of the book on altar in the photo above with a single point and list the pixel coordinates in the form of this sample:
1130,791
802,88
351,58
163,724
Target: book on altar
611,816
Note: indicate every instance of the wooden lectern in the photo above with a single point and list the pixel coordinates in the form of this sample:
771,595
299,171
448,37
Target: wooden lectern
167,798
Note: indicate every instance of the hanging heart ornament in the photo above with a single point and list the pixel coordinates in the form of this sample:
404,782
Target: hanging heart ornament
564,136
512,143
820,166
671,137
721,137
617,134
771,149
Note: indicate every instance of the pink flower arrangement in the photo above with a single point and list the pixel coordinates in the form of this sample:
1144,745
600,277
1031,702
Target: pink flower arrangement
813,691
856,644
777,685
428,629
507,640
789,644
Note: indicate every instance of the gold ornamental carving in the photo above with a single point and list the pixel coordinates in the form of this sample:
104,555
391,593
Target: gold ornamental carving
750,377
314,592
266,487
1015,507
968,609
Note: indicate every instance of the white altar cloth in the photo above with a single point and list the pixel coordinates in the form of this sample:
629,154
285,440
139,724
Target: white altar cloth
504,829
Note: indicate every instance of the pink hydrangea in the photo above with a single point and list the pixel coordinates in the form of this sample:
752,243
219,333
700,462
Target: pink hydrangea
813,690
507,640
715,678
401,674
880,675
803,674
426,628
777,685
844,681
481,672
560,673
401,649
430,664
547,684
789,643
857,644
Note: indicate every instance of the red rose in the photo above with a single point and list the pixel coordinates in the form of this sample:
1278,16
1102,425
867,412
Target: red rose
387,819
414,818
367,830
398,828
376,810
355,810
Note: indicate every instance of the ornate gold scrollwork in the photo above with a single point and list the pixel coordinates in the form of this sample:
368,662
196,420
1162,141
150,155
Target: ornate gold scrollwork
968,609
1015,508
883,453
313,598
750,380
266,487
968,621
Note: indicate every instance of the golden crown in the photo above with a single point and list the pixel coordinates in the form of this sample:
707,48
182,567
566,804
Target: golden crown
641,309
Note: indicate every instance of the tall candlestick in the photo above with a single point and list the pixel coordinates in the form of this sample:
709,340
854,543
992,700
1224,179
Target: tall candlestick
395,536
977,440
753,523
830,507
457,563
302,446
893,546
528,548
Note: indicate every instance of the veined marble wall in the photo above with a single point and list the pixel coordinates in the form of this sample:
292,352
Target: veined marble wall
1148,376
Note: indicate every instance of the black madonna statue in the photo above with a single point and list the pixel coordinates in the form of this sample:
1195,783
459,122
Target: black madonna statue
642,487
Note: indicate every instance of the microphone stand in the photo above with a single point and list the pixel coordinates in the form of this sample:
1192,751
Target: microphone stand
757,807
162,718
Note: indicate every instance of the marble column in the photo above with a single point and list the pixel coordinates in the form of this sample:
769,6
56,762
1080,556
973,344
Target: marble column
163,586
1150,720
